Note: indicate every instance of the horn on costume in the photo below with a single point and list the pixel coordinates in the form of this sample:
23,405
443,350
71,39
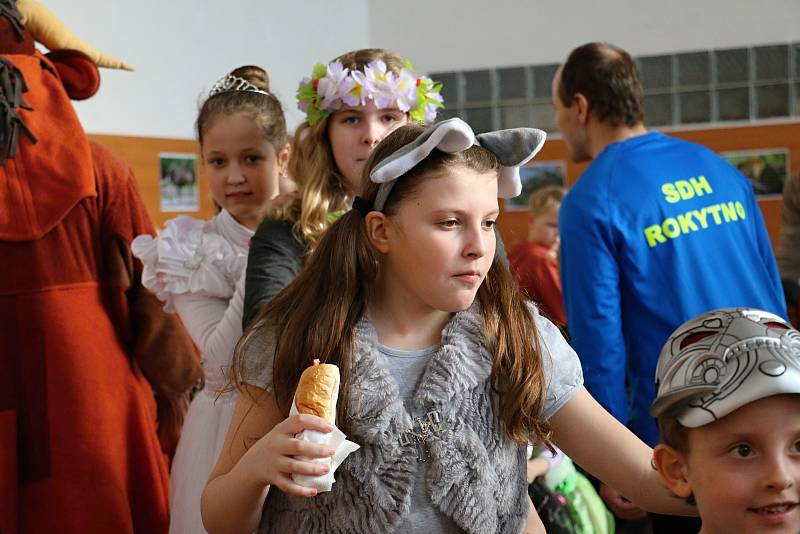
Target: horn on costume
46,28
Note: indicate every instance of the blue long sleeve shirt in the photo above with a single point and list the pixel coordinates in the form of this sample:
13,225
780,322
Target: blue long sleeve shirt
656,231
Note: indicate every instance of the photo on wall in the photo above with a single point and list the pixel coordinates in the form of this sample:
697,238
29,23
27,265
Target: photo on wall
178,182
767,170
535,175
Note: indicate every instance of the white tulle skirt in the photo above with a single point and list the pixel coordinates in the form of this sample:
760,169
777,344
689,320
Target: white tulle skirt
203,435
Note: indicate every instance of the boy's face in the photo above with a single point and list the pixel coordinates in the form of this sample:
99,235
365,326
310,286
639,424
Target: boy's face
744,469
543,228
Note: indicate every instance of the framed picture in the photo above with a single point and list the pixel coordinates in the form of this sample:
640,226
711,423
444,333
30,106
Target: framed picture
767,169
535,175
178,182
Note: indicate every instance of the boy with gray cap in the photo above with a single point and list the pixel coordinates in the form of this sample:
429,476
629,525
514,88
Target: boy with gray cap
728,409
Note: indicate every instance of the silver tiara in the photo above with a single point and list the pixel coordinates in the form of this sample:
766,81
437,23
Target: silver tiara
234,83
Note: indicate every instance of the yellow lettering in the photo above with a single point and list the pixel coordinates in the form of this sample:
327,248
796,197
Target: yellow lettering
701,217
653,235
700,184
714,210
729,212
685,189
671,228
670,194
686,223
740,210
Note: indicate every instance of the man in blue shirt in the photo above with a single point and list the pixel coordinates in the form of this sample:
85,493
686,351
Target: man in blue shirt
655,231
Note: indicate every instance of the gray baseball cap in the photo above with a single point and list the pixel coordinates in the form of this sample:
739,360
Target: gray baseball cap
723,359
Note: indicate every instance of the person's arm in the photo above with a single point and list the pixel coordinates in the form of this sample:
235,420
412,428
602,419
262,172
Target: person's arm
533,525
275,258
258,452
788,253
590,280
215,324
157,341
613,454
768,258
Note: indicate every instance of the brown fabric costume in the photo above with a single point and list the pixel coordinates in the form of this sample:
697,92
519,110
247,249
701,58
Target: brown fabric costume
85,352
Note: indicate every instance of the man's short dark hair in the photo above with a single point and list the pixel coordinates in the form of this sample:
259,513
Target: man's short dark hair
608,78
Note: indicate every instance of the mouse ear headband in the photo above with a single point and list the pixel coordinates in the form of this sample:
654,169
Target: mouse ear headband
513,148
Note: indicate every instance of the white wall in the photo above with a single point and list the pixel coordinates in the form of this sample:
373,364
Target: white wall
446,35
180,47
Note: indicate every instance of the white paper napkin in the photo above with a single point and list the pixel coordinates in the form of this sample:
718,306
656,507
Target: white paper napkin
335,440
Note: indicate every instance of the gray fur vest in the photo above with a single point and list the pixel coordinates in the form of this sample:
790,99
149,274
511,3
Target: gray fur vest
476,475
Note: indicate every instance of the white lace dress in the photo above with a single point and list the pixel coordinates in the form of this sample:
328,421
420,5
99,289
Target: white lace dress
197,268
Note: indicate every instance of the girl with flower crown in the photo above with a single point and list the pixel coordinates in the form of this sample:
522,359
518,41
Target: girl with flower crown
446,373
350,105
197,267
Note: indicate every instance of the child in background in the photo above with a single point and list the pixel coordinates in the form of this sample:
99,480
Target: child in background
559,478
728,409
350,105
197,267
426,326
534,263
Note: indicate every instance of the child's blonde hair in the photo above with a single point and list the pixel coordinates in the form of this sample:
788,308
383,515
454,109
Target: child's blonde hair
545,198
311,164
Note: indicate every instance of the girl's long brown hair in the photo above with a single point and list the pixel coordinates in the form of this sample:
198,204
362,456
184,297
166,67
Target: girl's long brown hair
315,316
312,167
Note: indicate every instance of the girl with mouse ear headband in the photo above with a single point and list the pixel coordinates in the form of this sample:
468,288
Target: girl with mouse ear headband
446,372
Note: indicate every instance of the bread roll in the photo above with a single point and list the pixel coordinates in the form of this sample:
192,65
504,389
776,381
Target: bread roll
318,391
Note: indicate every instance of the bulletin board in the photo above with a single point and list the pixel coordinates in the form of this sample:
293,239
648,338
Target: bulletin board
147,157
143,155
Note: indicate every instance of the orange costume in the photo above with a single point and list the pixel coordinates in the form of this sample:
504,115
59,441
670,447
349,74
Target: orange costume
86,354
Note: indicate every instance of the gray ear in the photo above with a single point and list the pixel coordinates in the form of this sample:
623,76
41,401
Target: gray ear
514,147
451,135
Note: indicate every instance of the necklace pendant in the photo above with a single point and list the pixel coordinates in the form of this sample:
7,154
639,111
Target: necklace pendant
424,430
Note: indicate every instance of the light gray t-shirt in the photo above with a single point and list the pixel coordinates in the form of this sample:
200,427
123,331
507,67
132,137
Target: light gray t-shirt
557,355
406,367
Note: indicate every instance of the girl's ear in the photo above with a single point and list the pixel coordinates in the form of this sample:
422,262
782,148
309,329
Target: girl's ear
283,157
377,226
671,465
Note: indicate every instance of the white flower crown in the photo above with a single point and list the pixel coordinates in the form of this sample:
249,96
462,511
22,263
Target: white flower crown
333,85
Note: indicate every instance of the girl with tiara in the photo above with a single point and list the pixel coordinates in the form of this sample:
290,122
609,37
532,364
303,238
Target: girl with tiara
197,267
446,373
350,105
